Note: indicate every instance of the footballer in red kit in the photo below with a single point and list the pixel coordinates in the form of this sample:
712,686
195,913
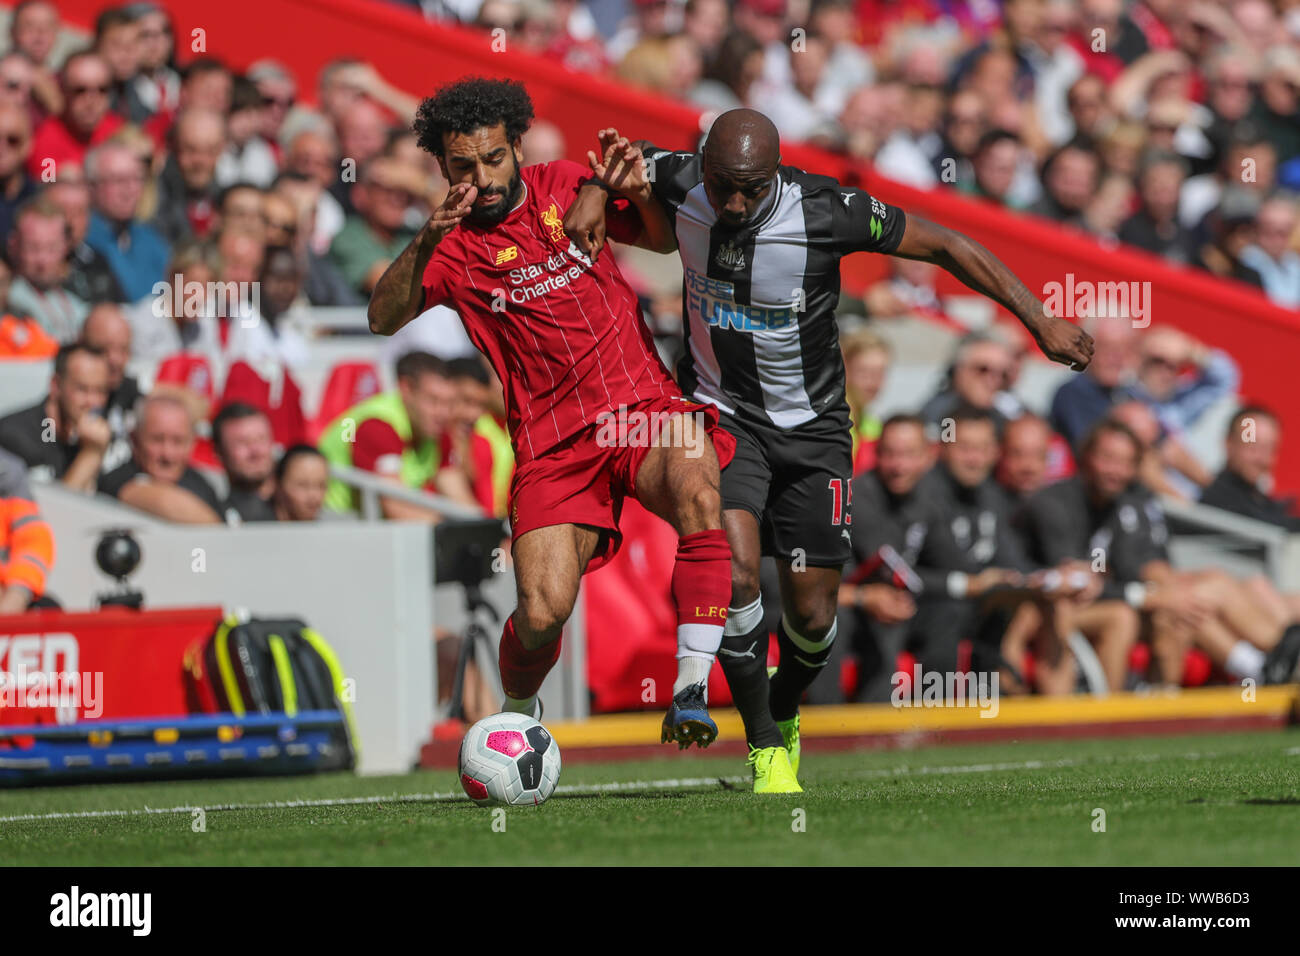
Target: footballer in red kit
566,337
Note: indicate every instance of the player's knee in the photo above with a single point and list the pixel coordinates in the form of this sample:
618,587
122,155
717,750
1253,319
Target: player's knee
698,509
541,614
811,617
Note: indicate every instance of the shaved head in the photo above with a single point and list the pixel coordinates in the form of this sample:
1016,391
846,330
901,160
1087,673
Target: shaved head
743,139
741,155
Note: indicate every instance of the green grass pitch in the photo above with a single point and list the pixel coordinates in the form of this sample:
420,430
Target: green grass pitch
1190,800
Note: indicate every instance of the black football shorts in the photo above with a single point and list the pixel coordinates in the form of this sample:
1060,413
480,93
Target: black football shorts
798,485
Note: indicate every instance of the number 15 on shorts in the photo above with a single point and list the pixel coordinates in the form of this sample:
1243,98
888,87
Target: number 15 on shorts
841,501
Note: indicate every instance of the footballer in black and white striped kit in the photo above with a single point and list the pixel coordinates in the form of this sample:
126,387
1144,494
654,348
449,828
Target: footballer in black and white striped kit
760,245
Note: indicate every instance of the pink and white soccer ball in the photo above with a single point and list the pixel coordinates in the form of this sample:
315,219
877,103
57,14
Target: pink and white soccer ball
509,759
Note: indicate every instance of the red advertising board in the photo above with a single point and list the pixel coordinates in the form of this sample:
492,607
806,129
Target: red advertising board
110,664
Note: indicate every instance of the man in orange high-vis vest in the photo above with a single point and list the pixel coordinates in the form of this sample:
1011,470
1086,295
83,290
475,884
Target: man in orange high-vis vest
26,542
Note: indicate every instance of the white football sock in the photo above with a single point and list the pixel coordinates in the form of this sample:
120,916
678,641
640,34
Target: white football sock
1244,660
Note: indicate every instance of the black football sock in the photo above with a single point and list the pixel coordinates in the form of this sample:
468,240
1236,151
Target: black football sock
802,660
744,663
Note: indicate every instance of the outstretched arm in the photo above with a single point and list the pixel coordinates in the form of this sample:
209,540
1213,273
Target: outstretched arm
1061,341
399,293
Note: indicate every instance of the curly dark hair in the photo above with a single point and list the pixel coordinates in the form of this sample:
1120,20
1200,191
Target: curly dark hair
470,104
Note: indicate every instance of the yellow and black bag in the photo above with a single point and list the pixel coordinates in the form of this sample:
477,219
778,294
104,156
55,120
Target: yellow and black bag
279,667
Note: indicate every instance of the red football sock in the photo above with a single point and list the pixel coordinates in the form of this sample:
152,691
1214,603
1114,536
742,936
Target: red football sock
522,670
701,583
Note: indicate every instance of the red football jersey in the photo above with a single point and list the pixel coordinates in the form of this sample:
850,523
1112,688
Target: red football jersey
565,336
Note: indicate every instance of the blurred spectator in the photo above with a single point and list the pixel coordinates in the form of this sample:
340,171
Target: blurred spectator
1023,462
1086,103
1180,378
39,250
268,335
90,277
730,77
108,332
239,207
188,185
156,88
136,252
979,371
371,239
891,510
289,213
241,437
279,92
464,445
33,31
180,317
86,120
706,22
668,65
206,85
1243,486
648,19
848,67
1071,175
866,363
313,154
1155,226
158,478
1085,399
64,436
396,436
1278,105
969,550
363,133
26,541
117,41
21,337
993,168
1231,228
807,107
1272,254
301,477
16,186
247,156
1160,448
964,125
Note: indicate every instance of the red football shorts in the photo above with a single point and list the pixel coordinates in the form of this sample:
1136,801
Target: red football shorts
584,480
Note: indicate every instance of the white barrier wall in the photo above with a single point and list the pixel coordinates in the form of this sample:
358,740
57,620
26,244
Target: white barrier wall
365,586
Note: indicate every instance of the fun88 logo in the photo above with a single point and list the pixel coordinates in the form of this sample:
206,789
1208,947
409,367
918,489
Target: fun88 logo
712,300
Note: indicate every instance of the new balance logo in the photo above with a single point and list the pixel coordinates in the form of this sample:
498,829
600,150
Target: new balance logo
509,254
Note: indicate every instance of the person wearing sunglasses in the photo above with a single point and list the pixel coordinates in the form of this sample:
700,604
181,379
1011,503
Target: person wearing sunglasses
86,120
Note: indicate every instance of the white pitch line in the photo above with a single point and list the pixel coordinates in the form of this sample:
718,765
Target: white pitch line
680,783
683,783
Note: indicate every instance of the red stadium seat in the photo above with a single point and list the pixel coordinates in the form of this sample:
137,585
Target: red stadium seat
190,371
348,383
281,400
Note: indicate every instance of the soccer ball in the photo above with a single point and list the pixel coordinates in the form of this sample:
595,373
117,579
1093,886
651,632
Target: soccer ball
509,758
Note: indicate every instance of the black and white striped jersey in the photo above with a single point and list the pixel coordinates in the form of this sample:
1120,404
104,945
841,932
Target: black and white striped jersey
759,302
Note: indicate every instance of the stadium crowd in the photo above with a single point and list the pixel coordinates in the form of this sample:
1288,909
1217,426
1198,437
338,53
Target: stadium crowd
167,231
